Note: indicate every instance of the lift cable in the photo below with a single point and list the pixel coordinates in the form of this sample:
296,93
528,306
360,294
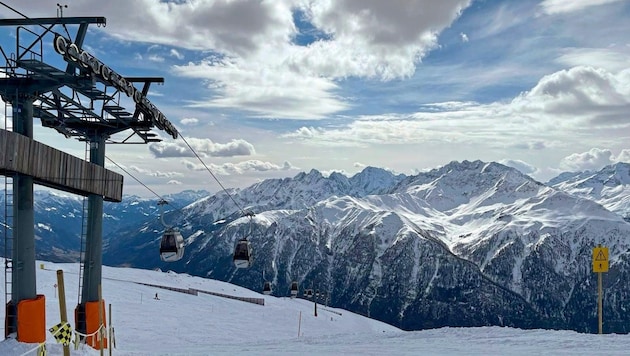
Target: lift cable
162,199
250,214
136,179
16,11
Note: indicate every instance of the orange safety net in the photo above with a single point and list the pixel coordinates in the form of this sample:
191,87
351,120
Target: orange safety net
92,324
31,320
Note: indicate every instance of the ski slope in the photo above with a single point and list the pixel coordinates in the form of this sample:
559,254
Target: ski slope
203,324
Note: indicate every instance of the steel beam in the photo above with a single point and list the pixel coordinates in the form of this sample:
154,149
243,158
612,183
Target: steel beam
99,20
23,274
94,240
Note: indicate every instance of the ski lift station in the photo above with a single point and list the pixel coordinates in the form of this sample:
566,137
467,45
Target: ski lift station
83,99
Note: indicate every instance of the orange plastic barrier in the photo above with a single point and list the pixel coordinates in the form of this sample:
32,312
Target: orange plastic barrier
31,320
92,324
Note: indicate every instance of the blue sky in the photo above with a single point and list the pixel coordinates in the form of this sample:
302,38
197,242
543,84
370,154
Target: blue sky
266,89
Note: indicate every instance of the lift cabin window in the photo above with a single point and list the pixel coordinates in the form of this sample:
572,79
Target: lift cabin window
170,242
242,252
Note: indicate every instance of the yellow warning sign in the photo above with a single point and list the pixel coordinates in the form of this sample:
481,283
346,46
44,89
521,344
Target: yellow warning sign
600,259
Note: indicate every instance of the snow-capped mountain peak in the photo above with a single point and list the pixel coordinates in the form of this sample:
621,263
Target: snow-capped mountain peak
609,186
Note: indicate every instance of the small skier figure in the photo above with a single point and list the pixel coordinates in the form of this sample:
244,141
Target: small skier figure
156,297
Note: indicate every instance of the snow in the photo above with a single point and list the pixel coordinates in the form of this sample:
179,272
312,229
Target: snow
184,324
610,186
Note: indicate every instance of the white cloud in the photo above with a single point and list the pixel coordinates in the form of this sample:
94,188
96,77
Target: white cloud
522,166
174,182
623,156
155,58
261,70
398,129
596,85
166,149
370,39
327,173
562,111
265,90
531,145
232,27
592,160
203,147
240,167
551,7
612,59
189,121
175,53
156,93
158,173
464,37
306,132
590,96
373,38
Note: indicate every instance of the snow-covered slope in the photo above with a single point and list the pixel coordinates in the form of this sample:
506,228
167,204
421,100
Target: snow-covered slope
199,324
609,186
183,324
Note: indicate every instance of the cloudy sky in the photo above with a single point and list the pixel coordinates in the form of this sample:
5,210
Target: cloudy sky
265,89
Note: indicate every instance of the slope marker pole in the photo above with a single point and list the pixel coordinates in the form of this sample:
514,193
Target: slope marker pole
299,324
62,306
599,301
600,265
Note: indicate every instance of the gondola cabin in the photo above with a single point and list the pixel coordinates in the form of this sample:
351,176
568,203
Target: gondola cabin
309,293
243,254
267,288
294,289
171,246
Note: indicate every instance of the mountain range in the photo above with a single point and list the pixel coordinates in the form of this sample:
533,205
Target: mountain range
465,244
59,216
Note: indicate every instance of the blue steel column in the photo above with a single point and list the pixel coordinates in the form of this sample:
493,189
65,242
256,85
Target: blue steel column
23,280
94,239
